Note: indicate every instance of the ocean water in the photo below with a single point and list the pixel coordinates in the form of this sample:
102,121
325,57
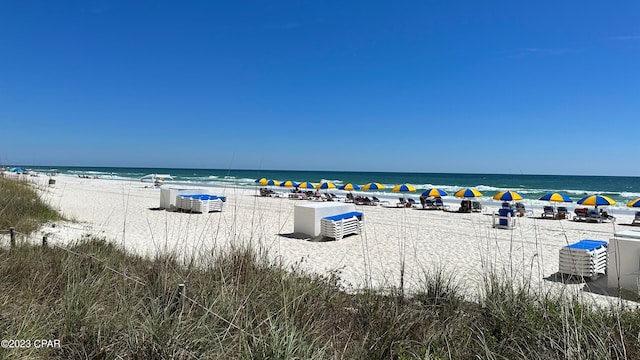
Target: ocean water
620,188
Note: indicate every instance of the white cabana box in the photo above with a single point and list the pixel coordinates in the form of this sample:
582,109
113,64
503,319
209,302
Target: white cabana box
168,196
623,270
306,217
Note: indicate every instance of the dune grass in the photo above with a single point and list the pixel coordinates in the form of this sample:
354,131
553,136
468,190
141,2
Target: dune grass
21,208
104,303
110,304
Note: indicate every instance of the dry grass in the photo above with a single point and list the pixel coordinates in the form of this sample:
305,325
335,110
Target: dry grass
103,303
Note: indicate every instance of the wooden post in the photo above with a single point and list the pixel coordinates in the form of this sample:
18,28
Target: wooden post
44,241
180,294
12,234
177,300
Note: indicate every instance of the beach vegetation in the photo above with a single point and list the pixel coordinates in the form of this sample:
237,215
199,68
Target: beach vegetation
102,302
21,207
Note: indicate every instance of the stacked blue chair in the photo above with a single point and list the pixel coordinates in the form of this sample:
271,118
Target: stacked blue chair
338,226
505,219
586,258
200,203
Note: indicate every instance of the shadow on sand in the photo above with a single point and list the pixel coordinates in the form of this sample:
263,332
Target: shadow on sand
594,286
319,238
301,236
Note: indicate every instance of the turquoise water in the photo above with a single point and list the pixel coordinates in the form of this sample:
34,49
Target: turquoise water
620,188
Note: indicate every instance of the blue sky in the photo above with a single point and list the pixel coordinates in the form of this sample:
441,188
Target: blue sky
545,87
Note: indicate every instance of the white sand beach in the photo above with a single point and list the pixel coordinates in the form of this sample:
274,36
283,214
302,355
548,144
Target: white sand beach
464,244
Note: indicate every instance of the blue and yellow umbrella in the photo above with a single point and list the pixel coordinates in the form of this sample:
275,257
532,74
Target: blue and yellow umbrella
596,200
289,184
349,187
272,183
507,195
403,188
556,197
467,193
435,192
634,203
306,185
373,186
326,185
262,181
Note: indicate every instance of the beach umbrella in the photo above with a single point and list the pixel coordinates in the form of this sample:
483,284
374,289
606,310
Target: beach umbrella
596,200
467,193
349,187
373,186
306,185
289,184
326,185
507,196
403,188
272,183
18,170
262,181
435,192
556,197
634,203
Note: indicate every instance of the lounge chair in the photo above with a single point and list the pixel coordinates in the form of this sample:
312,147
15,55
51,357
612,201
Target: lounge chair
349,198
586,258
465,206
200,203
521,209
362,200
636,220
548,212
504,219
338,226
375,200
563,213
429,204
264,192
438,204
401,202
580,214
411,203
594,216
476,206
